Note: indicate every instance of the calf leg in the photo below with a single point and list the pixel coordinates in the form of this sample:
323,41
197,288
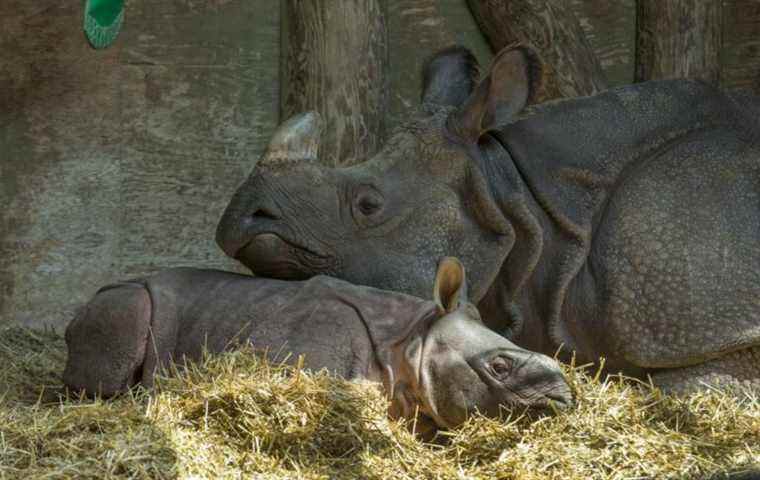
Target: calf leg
739,370
107,341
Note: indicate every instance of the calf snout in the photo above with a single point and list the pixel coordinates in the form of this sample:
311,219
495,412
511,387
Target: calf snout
547,382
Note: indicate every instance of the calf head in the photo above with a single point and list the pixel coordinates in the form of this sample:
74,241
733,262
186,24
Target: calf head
386,222
455,365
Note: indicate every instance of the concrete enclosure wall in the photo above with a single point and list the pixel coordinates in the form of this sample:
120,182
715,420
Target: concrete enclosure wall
116,163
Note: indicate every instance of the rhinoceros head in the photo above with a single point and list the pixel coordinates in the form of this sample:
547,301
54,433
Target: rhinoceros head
456,365
386,222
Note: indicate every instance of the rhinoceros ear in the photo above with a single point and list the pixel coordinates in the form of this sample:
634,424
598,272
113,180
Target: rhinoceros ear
513,82
448,77
296,139
450,288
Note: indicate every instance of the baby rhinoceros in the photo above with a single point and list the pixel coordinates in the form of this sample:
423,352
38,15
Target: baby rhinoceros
435,359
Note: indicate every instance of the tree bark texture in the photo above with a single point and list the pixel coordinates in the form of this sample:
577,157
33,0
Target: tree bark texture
678,39
335,59
570,66
740,55
416,30
610,29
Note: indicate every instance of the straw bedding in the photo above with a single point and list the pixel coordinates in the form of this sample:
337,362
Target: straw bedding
236,416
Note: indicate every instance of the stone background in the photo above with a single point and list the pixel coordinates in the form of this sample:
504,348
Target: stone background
116,163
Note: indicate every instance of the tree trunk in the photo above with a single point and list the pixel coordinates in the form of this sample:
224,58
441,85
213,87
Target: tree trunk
334,62
610,29
571,68
417,30
678,38
740,55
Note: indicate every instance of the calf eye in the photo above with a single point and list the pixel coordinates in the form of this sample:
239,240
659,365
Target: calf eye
500,366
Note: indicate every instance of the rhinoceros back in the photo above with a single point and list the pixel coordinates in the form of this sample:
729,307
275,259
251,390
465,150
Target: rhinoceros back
654,189
678,253
196,310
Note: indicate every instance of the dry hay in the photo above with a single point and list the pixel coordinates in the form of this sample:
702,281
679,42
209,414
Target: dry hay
237,416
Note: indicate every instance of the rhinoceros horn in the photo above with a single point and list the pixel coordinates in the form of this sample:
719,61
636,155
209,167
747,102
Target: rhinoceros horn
295,140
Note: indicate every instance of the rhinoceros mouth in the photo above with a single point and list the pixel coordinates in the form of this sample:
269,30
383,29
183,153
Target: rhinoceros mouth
270,255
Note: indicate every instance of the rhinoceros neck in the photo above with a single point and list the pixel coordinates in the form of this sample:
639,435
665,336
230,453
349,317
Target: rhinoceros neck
569,155
391,320
502,306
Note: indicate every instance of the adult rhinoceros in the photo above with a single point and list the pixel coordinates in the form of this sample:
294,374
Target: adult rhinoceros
624,225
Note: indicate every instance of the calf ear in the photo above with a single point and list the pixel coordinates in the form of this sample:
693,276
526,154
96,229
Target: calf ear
449,76
513,81
450,285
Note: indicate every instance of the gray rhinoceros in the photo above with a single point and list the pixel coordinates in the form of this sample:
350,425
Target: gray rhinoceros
433,357
625,225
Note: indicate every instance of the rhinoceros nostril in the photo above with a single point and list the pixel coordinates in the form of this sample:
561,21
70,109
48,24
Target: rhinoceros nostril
263,213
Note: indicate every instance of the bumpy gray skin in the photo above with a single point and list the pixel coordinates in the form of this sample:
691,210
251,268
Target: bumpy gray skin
624,225
435,358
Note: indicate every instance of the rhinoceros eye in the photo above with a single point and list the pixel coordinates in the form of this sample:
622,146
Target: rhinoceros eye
368,205
500,366
368,201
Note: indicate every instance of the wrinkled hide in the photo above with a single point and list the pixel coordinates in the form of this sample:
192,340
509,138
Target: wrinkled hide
143,325
130,330
624,225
